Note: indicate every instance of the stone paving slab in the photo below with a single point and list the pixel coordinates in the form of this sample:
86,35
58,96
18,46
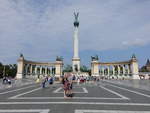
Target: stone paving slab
108,111
141,84
37,97
16,83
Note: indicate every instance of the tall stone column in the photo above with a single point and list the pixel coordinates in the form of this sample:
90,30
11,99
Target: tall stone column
76,59
20,67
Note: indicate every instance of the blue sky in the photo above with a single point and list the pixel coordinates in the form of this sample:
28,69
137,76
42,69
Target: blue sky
43,29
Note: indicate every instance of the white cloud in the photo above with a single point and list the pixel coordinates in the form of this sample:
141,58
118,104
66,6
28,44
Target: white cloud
135,42
42,30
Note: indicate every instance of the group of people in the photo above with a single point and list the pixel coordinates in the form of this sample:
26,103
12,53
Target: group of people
47,79
67,82
85,79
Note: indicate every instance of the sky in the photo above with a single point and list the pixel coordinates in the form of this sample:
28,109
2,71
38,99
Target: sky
43,29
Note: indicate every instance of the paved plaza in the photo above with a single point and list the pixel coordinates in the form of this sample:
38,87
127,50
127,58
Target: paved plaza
99,97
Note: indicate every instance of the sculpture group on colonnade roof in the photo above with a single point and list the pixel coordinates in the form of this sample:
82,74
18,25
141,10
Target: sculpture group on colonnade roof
94,58
59,58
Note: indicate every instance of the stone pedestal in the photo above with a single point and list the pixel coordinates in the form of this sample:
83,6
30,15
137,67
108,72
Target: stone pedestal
58,67
95,69
20,68
134,69
76,64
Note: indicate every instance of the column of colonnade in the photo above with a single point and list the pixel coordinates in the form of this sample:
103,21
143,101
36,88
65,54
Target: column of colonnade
31,70
108,71
115,71
37,70
118,70
123,70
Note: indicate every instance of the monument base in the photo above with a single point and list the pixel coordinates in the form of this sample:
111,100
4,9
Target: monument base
76,64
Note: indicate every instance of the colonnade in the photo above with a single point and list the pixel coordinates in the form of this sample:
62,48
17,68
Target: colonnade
116,70
27,68
33,70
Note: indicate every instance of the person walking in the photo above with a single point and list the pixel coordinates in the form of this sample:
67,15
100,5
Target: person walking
44,82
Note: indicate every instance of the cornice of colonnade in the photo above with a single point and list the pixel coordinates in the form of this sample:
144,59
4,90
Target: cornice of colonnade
41,63
24,61
112,63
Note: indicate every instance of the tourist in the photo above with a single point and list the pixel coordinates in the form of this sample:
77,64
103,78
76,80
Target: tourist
70,92
74,78
9,81
46,78
44,82
5,80
70,79
65,86
50,80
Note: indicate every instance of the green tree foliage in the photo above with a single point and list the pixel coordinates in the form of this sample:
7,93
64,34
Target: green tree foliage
67,68
10,70
1,69
84,69
144,69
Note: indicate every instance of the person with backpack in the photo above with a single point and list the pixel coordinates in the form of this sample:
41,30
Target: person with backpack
50,80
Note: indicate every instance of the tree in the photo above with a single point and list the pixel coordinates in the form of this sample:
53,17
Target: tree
67,68
144,69
1,70
84,68
10,70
